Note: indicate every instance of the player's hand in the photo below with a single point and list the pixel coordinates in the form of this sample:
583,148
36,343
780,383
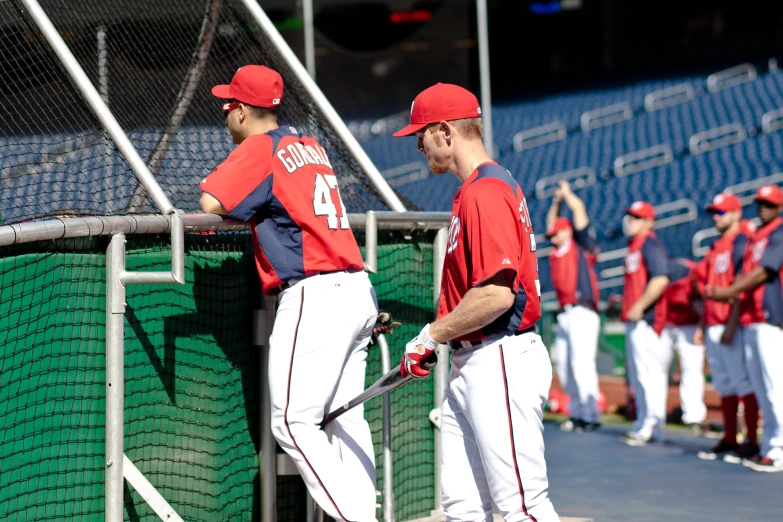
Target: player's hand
717,293
635,313
564,187
727,337
417,349
698,336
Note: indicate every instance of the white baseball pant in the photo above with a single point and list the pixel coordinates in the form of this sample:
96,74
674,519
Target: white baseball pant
691,356
764,356
727,363
576,343
492,432
317,362
649,359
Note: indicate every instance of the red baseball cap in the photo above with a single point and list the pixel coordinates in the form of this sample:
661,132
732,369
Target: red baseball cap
560,223
724,203
441,102
770,194
255,85
641,209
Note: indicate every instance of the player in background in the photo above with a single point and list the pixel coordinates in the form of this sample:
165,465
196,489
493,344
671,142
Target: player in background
572,268
283,184
761,315
644,313
682,321
491,423
719,329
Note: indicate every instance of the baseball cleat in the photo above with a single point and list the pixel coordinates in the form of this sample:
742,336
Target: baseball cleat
767,465
592,426
634,439
572,425
745,454
719,450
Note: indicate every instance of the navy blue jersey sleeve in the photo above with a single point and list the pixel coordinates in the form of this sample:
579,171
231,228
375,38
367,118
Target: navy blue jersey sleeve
654,258
676,270
738,252
586,239
773,254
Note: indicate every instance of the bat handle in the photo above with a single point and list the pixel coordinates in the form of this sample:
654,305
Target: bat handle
430,362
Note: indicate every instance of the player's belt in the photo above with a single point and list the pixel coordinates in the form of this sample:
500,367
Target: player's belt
295,280
456,345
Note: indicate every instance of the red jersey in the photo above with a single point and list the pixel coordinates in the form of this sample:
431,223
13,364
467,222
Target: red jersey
572,269
764,304
490,232
646,259
679,296
719,269
283,184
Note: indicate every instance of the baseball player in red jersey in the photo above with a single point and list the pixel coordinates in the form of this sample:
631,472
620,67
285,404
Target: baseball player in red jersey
572,268
283,184
761,314
644,313
682,320
491,425
721,333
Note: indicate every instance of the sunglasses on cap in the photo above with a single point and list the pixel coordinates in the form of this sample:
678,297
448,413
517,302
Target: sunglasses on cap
716,212
228,107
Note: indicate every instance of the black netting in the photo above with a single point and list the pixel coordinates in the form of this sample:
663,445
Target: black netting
155,63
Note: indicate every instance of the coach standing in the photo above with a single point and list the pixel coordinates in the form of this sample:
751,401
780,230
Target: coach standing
572,268
282,182
644,313
491,425
761,314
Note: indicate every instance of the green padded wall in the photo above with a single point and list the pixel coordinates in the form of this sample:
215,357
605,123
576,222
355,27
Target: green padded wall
192,380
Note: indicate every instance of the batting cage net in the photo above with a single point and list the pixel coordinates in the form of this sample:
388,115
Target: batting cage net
193,380
154,64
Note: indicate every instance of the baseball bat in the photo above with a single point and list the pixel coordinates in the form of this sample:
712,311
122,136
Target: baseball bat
388,382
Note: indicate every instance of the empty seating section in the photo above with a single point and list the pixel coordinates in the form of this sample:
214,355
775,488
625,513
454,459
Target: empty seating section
741,152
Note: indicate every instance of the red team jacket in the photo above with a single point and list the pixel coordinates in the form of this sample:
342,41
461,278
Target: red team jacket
282,182
719,268
572,268
490,231
764,304
646,259
679,296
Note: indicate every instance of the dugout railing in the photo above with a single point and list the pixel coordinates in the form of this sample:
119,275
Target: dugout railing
420,234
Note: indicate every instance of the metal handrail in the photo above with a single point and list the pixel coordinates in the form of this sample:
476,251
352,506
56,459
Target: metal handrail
718,137
669,97
537,136
604,116
746,190
643,159
580,177
731,77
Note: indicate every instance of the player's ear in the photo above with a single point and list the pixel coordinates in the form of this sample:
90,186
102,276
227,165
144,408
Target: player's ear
446,128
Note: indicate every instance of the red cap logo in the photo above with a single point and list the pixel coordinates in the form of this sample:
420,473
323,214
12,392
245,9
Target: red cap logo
724,203
255,85
770,194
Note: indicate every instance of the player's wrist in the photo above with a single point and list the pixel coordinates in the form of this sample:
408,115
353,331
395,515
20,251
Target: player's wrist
426,339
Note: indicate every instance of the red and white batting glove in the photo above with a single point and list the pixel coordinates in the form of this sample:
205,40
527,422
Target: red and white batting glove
411,361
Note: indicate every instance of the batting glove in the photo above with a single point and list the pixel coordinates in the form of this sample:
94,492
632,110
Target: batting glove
411,361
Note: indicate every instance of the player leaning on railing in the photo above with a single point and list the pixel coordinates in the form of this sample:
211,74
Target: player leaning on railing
491,426
283,184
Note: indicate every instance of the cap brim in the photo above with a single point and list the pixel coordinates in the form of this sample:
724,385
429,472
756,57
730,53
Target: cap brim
221,91
410,130
770,200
